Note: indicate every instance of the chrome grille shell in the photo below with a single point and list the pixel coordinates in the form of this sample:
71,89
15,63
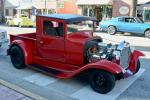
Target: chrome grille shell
125,57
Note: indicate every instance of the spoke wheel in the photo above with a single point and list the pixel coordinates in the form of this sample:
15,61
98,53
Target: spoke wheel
147,33
102,82
17,57
112,30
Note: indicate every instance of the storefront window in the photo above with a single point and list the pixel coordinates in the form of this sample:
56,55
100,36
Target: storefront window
51,11
101,12
147,16
38,11
85,10
44,11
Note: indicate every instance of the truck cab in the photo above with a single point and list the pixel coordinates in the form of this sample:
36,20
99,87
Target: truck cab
62,38
64,45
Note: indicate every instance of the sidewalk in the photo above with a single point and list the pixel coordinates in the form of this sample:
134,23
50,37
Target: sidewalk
9,94
10,91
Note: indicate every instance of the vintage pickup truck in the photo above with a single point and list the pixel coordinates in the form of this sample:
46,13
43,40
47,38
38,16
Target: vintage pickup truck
66,46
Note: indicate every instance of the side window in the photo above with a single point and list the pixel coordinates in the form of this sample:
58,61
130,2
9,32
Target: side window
53,28
130,20
121,19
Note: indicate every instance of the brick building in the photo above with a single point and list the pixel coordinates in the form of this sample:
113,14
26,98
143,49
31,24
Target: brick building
67,6
103,9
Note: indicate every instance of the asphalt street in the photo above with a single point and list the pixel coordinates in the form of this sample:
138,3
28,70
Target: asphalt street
56,89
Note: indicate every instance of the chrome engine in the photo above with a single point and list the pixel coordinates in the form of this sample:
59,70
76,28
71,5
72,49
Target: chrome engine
119,52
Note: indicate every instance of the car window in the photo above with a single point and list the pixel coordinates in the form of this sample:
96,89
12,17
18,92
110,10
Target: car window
130,20
121,19
53,28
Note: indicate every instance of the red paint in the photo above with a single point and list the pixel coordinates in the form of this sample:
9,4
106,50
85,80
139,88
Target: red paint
134,58
64,54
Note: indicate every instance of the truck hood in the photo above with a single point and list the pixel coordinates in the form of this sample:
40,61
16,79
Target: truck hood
81,36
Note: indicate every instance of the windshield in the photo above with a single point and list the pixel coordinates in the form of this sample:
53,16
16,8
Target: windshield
139,20
80,26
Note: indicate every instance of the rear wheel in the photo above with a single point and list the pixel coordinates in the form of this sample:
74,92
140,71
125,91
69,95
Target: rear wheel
147,33
112,30
17,57
102,82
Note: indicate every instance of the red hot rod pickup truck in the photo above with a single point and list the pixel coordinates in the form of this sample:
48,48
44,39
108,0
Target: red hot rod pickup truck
65,45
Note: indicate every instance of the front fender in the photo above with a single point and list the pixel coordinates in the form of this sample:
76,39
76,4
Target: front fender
26,50
104,65
134,57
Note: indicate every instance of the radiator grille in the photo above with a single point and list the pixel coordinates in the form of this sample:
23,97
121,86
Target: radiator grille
125,57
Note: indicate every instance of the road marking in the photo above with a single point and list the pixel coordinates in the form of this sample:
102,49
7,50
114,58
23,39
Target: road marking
88,94
40,79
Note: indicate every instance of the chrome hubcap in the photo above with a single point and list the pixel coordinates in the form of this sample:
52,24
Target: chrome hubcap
147,33
100,81
111,30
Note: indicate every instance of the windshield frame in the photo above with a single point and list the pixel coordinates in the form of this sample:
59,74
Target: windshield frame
93,27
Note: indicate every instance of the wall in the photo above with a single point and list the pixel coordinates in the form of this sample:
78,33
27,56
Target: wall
117,4
68,7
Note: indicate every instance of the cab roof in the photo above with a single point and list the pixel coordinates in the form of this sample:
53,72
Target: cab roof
69,18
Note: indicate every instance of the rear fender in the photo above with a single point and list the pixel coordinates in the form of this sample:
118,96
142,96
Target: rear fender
27,50
104,65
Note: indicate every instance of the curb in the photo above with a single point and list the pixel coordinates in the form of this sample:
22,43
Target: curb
22,91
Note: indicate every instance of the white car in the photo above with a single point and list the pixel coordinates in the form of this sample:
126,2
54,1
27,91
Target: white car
3,36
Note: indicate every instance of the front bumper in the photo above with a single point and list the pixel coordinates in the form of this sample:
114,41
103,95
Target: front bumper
132,68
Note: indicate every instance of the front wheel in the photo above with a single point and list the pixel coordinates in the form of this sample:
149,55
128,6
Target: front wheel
17,57
102,82
147,33
112,30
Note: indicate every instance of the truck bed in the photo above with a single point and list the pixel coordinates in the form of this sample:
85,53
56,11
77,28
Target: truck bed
29,36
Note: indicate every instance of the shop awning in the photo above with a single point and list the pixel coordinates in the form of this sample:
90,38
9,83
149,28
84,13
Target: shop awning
94,2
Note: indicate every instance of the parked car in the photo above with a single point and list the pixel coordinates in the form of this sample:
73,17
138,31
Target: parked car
126,24
65,46
21,21
3,36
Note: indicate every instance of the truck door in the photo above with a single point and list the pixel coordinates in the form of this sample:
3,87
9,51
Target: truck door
51,42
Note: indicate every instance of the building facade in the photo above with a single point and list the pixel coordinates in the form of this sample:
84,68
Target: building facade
143,10
1,10
103,9
67,6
